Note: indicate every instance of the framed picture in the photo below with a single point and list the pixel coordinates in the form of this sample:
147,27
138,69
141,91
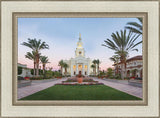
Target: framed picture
80,59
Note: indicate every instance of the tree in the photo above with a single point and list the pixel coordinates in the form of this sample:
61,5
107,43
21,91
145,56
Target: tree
61,64
93,66
115,59
122,43
19,70
36,46
98,63
135,27
65,65
44,61
95,63
109,72
32,56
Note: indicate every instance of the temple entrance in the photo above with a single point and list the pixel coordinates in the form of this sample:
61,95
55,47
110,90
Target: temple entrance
80,72
128,73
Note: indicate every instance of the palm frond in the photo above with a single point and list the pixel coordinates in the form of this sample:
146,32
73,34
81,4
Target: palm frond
134,30
140,20
135,24
44,59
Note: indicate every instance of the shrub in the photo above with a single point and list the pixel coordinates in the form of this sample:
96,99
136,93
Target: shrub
112,77
48,74
40,71
19,70
20,78
109,72
118,76
127,78
57,74
32,72
138,78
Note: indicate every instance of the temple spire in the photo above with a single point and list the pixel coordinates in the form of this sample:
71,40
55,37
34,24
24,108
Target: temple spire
79,43
79,36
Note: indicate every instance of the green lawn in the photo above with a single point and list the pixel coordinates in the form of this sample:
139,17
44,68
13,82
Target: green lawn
84,92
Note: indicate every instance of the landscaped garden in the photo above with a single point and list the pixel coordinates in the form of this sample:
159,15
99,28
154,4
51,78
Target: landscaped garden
80,92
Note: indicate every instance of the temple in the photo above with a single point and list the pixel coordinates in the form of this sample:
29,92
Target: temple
80,64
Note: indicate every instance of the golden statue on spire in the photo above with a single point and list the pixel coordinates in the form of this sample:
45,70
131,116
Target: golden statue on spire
79,36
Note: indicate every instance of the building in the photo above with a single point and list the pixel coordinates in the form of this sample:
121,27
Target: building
80,64
26,72
134,67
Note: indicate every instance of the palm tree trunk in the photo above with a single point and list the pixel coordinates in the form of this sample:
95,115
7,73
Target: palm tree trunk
37,74
95,69
65,71
61,70
116,68
98,69
43,68
37,70
123,69
34,71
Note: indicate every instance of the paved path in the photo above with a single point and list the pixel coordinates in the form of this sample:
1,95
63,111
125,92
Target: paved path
132,90
28,90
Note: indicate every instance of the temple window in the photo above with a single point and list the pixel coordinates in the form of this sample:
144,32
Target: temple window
80,66
74,67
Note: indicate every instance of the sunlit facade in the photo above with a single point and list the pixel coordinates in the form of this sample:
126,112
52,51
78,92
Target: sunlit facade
134,67
79,64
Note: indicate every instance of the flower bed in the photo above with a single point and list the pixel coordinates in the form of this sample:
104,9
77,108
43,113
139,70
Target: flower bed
26,78
84,83
76,79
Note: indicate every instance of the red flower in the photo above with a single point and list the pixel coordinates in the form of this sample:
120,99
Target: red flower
26,78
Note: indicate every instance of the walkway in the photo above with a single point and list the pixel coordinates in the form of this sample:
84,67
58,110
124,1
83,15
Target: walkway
132,90
28,90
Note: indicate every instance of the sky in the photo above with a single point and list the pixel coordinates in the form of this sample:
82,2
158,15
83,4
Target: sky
61,34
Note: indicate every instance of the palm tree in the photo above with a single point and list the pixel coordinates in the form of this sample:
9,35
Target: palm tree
32,56
122,43
115,59
61,64
135,27
93,66
36,46
65,65
95,62
44,60
98,62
